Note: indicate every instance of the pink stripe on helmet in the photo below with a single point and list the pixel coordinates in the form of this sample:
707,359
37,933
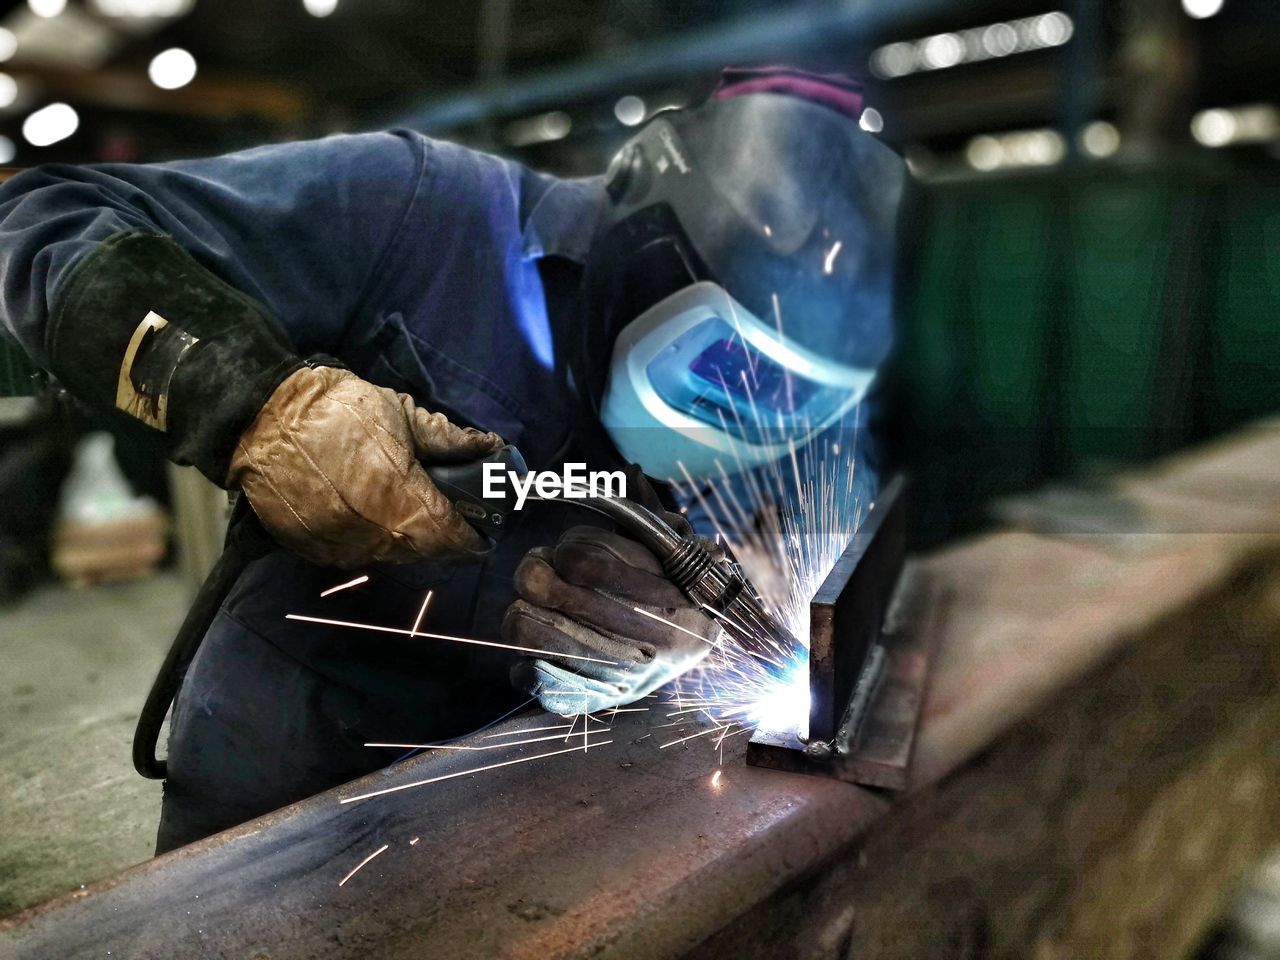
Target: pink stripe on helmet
832,90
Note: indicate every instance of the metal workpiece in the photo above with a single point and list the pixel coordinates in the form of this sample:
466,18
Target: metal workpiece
848,610
636,841
866,683
626,850
875,742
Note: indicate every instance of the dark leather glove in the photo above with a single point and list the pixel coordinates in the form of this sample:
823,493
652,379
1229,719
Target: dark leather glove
580,600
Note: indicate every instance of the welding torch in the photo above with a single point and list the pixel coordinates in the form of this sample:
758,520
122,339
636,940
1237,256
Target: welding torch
712,580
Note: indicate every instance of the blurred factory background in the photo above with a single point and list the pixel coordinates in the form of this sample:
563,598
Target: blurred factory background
1091,265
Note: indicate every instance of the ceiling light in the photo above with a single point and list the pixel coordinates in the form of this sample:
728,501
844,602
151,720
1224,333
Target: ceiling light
1201,9
7,150
142,9
1100,139
50,124
1213,128
894,60
1053,29
8,90
999,40
320,8
47,8
8,44
984,153
973,45
1021,148
1253,123
172,69
942,51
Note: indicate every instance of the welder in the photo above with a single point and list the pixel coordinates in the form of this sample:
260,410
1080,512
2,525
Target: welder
312,323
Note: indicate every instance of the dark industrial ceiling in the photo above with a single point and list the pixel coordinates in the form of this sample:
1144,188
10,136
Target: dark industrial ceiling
269,69
269,66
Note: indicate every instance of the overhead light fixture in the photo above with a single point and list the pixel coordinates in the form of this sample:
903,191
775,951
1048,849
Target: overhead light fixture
999,40
941,51
171,69
75,39
8,90
143,9
50,124
1021,148
1225,126
944,50
320,8
47,8
8,44
543,128
7,150
1201,9
1100,139
630,110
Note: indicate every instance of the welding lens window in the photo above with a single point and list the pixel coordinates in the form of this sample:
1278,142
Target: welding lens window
712,374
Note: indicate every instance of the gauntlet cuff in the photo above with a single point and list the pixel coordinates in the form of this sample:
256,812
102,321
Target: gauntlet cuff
142,328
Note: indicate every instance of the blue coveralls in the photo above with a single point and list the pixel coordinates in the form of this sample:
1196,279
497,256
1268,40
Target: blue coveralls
416,263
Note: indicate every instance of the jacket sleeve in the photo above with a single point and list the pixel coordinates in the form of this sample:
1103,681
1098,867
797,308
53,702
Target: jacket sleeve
300,227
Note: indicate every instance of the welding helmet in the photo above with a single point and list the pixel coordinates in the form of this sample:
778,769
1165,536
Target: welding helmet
740,281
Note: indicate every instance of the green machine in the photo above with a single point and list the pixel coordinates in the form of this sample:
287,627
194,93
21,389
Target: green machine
1065,323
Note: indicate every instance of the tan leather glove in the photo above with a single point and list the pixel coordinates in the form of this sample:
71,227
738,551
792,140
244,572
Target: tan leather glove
332,466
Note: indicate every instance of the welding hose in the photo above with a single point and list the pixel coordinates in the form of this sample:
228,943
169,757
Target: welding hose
246,541
715,584
685,561
639,521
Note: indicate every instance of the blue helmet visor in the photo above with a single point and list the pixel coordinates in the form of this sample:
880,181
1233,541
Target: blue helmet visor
713,373
699,384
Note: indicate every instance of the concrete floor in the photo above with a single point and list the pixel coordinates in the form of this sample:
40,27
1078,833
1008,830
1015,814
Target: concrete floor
77,666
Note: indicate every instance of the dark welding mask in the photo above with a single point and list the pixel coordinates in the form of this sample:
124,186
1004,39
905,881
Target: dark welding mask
740,281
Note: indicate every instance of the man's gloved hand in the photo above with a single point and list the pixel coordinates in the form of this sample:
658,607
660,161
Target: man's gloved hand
332,467
580,599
